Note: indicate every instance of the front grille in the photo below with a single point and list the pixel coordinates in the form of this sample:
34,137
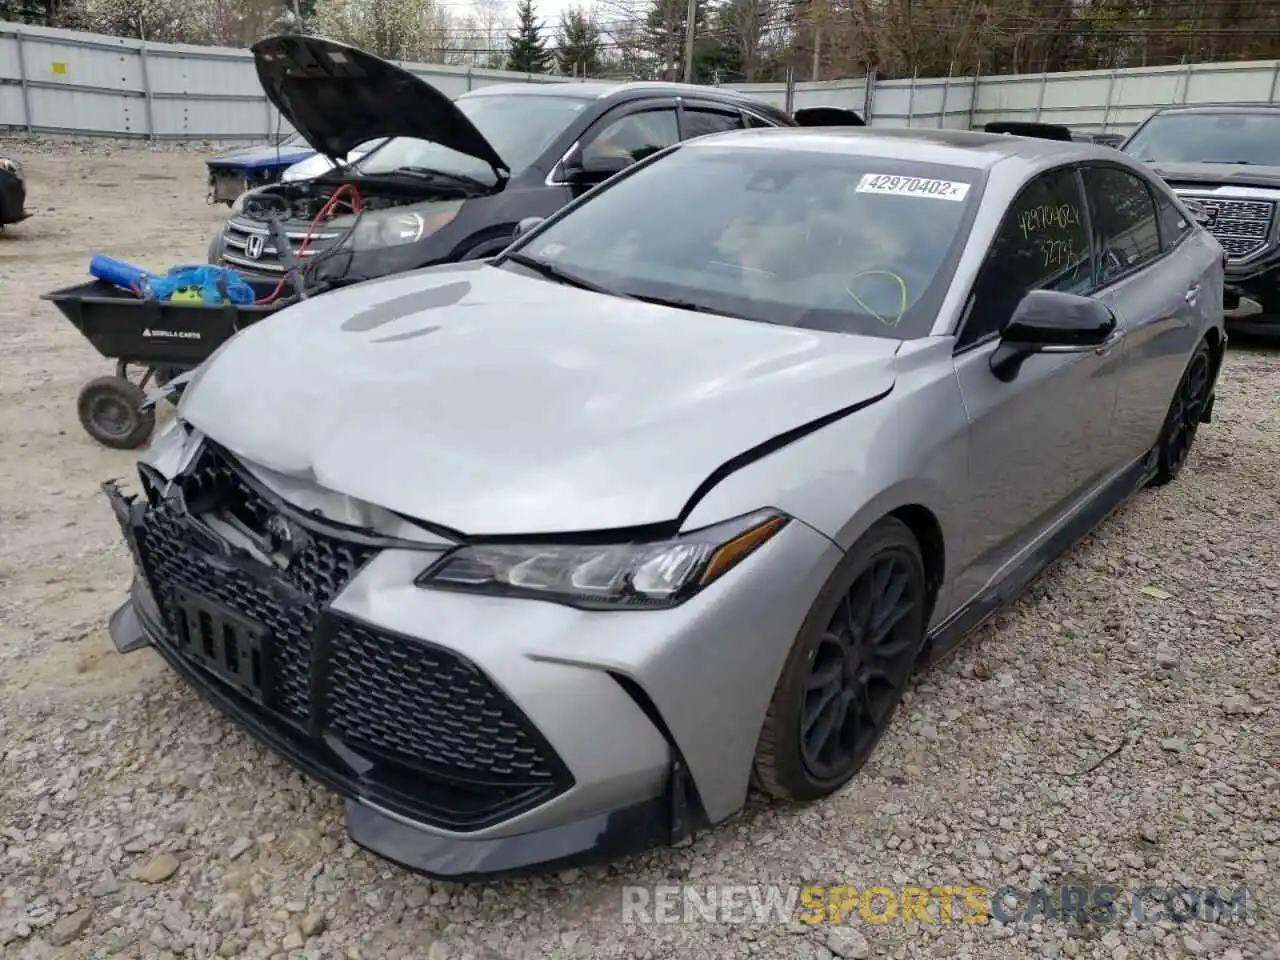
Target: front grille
252,247
435,737
1241,226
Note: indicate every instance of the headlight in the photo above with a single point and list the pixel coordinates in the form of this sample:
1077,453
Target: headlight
402,225
610,576
13,166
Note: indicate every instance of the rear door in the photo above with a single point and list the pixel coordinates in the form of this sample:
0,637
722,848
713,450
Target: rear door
1150,273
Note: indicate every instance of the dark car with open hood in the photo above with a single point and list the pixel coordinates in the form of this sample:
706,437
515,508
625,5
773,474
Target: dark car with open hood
458,176
1223,160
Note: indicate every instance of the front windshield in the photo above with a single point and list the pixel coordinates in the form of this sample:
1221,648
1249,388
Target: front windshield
825,241
1209,138
520,127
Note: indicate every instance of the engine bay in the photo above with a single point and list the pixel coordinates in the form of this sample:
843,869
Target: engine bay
334,196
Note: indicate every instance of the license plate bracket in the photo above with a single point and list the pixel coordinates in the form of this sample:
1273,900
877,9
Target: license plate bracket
232,648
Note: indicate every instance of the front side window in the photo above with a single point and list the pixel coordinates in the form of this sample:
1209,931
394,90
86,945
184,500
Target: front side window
824,241
1193,137
1124,221
634,136
1042,244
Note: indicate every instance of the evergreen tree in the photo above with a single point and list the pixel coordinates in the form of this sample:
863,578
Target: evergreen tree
527,51
578,46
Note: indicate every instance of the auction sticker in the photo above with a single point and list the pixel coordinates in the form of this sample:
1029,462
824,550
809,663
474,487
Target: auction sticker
897,186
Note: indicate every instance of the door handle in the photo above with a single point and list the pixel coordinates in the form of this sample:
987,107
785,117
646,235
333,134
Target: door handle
1192,294
1106,346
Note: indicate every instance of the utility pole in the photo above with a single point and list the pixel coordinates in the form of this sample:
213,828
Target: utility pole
688,41
816,11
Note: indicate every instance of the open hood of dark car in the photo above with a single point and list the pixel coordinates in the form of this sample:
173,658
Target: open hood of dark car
338,97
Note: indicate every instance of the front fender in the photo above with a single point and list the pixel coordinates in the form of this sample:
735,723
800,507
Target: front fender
910,447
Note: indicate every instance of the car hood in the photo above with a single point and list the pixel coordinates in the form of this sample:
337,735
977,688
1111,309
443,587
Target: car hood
489,402
264,156
339,97
1217,174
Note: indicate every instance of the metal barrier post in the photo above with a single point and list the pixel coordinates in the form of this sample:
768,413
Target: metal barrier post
27,119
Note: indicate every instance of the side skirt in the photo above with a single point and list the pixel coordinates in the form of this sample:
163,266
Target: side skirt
949,634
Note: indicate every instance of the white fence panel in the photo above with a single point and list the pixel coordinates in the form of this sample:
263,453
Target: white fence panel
59,81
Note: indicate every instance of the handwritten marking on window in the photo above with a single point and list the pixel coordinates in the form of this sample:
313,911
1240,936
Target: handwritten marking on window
1047,217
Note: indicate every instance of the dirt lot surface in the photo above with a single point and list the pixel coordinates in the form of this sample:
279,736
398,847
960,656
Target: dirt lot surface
1121,725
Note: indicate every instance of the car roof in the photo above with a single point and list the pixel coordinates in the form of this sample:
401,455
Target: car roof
1238,107
958,148
603,90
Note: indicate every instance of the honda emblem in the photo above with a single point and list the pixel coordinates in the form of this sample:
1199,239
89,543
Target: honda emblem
253,245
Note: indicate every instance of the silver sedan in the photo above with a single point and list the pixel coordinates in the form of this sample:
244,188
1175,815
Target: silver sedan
557,554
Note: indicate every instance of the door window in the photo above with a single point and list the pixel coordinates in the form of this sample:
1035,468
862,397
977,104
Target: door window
1125,225
635,135
754,122
1042,244
698,123
1174,225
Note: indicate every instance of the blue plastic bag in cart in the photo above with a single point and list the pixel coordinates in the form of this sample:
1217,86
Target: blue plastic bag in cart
215,285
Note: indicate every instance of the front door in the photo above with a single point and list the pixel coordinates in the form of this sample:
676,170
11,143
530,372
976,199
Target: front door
1039,441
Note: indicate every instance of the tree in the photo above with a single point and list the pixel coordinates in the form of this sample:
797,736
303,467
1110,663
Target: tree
527,50
578,46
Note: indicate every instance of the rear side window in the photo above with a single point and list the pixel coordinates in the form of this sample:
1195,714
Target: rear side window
754,122
698,123
1173,224
1125,223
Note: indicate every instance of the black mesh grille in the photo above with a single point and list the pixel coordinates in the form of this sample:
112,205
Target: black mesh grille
416,711
393,694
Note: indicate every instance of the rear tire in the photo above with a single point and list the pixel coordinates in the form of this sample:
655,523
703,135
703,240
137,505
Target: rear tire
848,668
110,412
1183,419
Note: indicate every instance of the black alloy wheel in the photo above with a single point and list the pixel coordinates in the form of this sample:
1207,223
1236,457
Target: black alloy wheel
1186,412
848,669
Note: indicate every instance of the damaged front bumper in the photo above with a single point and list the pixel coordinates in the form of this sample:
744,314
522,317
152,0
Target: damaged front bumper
372,823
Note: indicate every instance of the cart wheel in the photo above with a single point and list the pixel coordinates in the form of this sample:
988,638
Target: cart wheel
109,409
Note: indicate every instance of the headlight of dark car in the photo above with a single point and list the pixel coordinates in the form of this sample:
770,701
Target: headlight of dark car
397,226
13,166
607,576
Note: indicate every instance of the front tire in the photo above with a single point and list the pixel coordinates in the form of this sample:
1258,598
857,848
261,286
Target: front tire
1183,419
848,668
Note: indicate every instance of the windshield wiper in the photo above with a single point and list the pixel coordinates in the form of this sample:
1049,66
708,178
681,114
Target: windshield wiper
1242,163
677,304
426,173
552,272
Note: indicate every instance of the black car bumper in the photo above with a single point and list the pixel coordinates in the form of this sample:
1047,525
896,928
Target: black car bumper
384,814
1251,298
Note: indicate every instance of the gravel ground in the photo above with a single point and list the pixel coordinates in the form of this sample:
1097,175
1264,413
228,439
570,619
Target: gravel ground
1119,725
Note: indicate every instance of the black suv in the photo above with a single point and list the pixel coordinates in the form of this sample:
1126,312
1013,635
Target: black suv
457,176
1223,160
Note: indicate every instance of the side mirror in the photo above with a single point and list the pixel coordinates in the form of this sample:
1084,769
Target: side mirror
1046,321
525,225
589,171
